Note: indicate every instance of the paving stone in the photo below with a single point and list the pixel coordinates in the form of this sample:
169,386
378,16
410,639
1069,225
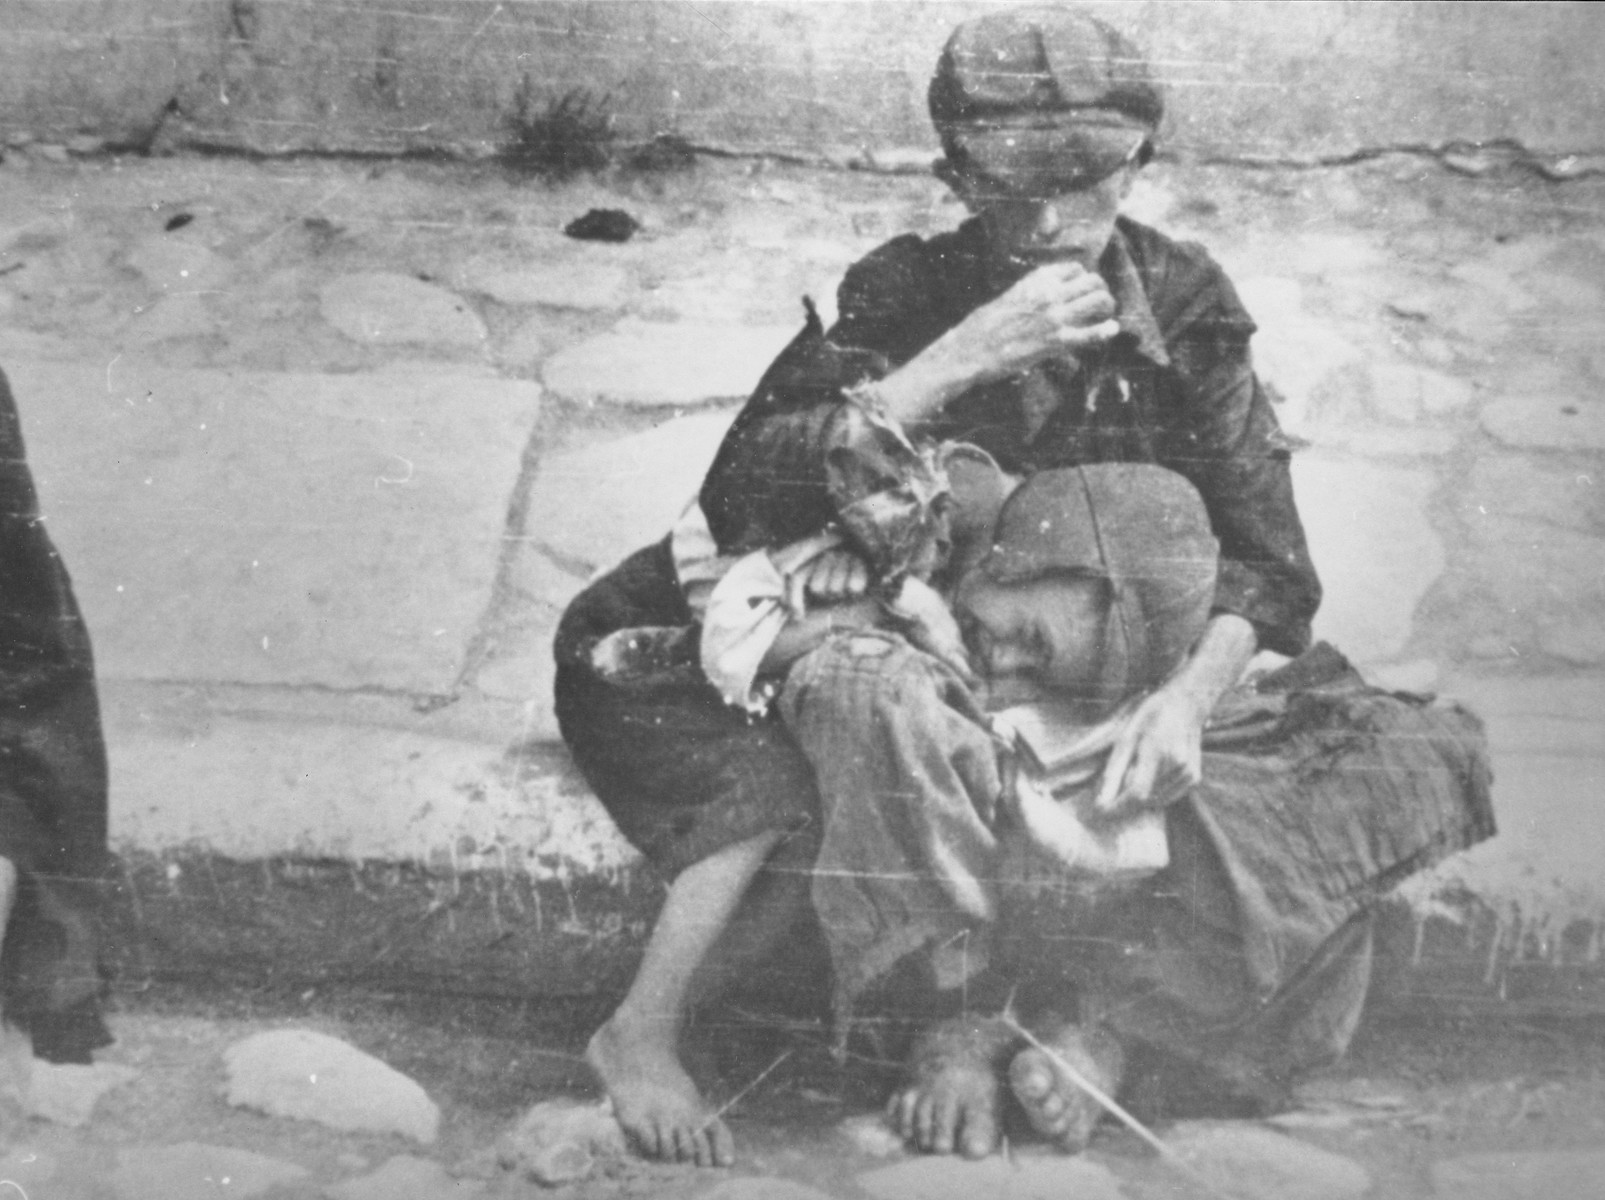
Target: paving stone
654,364
1491,645
1435,350
524,348
1402,391
315,1077
197,1171
1415,299
1580,641
1024,1177
1520,254
1250,1162
265,527
1324,255
179,263
1568,292
594,505
1548,715
1547,422
1495,282
1523,1175
1375,549
406,1177
1478,319
27,1169
385,308
727,289
763,1188
1384,442
762,229
1535,488
171,317
836,253
1533,568
518,662
1297,354
67,1093
559,1141
568,282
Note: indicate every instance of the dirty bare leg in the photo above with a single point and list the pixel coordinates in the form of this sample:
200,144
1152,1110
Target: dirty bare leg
1055,1106
769,914
636,1053
953,1101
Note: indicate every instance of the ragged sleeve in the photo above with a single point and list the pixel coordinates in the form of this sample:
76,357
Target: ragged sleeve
1228,442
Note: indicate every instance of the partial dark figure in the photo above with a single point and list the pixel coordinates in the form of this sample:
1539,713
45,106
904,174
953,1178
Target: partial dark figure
53,856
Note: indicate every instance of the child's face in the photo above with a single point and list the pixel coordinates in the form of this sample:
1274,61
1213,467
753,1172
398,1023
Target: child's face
1031,225
1034,639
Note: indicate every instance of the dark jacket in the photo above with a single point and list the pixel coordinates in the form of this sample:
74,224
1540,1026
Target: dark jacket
1176,387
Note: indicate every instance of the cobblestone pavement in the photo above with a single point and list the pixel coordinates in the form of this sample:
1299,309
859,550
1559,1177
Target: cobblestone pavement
1449,1107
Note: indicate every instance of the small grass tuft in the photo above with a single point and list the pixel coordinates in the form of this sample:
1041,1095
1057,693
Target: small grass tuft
560,138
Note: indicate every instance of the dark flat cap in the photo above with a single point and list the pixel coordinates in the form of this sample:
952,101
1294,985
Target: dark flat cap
1046,59
1142,528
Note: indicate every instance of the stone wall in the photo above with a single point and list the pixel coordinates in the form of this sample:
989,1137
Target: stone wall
1246,79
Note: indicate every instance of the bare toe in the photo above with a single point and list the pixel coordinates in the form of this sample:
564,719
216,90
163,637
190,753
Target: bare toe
656,1102
980,1135
724,1146
954,1098
1055,1105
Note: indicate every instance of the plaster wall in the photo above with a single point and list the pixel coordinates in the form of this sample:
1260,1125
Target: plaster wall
1246,79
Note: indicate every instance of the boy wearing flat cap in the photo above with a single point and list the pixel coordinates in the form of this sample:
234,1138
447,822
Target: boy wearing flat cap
780,686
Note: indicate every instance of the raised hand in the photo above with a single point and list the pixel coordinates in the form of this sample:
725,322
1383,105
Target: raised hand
1060,309
1057,309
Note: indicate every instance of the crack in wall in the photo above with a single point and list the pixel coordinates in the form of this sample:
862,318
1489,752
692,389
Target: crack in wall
1465,157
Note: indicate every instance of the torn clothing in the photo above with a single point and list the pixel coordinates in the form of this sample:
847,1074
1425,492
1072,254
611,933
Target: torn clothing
1175,387
1319,794
53,787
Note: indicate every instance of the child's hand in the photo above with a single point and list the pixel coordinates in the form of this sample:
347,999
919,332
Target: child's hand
1157,758
834,576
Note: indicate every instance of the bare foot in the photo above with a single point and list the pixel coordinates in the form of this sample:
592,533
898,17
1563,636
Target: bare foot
657,1104
1054,1105
954,1098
